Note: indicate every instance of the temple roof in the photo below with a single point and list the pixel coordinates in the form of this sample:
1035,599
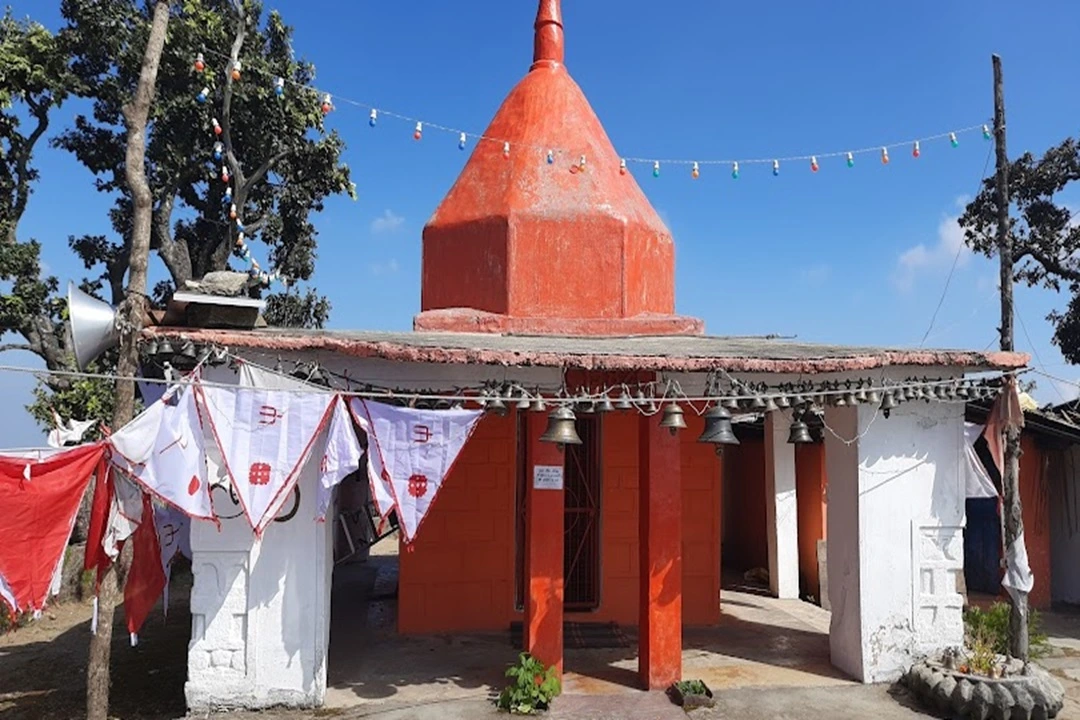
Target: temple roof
689,353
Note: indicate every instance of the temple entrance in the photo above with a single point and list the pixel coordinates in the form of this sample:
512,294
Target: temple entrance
582,485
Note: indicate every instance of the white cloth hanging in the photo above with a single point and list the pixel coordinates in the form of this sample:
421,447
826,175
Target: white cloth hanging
164,450
340,458
977,481
418,448
264,436
125,514
71,431
1018,576
379,480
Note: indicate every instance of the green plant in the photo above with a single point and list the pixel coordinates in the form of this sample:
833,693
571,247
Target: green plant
981,654
993,624
691,687
533,687
9,622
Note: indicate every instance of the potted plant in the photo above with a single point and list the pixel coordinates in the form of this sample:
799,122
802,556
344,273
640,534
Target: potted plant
691,694
532,687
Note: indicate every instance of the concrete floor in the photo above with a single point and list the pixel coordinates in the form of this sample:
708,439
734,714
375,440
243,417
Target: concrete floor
760,642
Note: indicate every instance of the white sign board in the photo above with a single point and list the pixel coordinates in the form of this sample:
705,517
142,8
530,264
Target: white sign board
547,477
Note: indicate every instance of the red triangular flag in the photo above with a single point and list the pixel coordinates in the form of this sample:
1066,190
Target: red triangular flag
146,579
38,503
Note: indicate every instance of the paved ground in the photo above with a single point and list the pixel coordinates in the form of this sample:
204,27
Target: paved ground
767,660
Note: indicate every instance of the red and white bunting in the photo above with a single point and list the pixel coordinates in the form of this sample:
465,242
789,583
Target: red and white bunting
265,436
341,457
164,450
417,448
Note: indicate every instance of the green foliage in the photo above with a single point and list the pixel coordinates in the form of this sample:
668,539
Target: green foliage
9,622
283,161
981,651
1046,238
691,687
991,626
532,689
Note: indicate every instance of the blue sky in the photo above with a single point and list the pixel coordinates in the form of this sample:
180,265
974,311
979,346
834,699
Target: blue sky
853,256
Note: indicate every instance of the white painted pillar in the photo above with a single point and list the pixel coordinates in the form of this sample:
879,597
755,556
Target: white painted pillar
896,516
781,507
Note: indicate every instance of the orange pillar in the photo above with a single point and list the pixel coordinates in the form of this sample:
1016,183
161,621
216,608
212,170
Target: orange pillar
660,529
543,550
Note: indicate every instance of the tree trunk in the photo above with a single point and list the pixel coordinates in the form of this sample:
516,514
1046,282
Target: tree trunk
136,115
1014,528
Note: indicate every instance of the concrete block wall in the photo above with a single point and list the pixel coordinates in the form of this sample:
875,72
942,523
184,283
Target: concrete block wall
895,549
459,575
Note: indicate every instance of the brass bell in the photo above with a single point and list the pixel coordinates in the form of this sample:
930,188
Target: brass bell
673,418
604,406
873,397
730,403
861,396
524,402
888,403
758,403
538,404
496,405
585,404
839,401
165,347
624,402
962,393
770,405
718,428
850,398
561,429
783,402
800,433
151,348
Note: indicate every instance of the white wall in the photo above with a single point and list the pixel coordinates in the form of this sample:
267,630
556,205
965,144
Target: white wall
892,583
260,610
1065,529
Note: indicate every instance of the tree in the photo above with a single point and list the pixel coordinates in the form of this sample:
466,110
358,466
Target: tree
34,80
136,114
1046,236
281,162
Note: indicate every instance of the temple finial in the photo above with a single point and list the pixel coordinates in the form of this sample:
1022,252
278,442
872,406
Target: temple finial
549,48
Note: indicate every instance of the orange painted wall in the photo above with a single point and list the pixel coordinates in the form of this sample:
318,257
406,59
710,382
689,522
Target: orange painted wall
810,485
460,575
1035,498
745,540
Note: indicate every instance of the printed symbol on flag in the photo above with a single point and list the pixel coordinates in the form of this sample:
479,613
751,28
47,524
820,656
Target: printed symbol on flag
325,464
193,486
180,441
269,415
259,474
168,533
421,434
418,486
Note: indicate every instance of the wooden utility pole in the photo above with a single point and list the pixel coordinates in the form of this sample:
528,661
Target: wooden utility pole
1010,475
132,312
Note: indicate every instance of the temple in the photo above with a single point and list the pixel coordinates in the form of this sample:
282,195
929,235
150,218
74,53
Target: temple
548,276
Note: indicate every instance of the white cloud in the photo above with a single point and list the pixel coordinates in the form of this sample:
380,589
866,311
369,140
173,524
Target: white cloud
387,223
815,275
921,259
387,268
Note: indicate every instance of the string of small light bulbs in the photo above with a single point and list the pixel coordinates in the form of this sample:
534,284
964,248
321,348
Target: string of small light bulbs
578,162
806,399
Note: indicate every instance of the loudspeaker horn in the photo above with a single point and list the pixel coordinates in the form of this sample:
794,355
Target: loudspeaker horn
93,326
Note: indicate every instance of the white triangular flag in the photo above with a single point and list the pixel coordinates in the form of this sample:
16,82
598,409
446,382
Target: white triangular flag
341,457
417,448
379,480
265,436
163,449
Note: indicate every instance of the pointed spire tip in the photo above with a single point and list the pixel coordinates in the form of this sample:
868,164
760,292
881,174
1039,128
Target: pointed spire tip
549,47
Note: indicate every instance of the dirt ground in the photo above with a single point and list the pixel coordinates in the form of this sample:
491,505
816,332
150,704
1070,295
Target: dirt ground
43,665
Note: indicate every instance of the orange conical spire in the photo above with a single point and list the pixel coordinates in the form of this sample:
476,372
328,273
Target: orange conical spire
549,47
